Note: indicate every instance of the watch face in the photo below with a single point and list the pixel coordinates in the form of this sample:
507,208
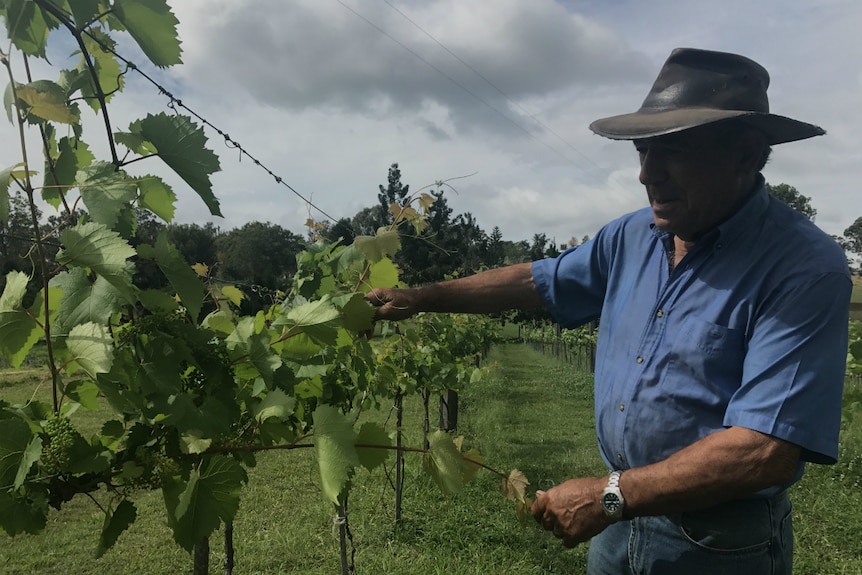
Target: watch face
611,502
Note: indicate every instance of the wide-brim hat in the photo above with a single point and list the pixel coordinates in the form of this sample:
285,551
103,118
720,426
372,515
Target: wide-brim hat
699,87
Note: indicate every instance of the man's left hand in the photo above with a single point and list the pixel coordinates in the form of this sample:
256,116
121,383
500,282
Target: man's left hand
572,511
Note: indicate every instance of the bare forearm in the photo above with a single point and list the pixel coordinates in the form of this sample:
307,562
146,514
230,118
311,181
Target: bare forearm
495,290
491,291
726,465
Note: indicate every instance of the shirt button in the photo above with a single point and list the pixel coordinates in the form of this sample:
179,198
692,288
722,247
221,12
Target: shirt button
619,456
640,359
719,245
659,313
622,407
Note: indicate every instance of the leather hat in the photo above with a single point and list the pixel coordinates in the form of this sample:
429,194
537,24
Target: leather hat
698,87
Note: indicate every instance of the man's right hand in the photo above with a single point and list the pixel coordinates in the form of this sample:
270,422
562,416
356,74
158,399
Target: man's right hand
392,304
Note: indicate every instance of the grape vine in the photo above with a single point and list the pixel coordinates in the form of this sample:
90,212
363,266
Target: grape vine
195,389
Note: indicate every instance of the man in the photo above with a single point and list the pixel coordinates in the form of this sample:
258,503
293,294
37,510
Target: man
722,339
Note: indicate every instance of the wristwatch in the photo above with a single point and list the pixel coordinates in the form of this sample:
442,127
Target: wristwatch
612,498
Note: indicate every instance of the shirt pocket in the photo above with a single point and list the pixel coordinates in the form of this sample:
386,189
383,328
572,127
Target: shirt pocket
708,352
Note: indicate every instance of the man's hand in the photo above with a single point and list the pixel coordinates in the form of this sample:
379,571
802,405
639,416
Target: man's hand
392,304
572,510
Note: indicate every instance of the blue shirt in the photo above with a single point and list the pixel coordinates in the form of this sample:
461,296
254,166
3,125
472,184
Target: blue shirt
748,330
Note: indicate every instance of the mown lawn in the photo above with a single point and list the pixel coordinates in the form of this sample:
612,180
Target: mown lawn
530,412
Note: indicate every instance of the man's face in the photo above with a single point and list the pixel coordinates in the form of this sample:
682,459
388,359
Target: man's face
692,179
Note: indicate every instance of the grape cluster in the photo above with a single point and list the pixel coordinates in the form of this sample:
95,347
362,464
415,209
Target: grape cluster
157,467
56,454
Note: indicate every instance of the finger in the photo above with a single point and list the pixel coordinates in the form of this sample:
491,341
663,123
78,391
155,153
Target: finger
538,507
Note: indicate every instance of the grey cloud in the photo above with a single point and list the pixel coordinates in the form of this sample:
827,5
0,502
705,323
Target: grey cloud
314,55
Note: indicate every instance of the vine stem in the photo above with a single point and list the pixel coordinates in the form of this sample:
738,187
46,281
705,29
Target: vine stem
88,60
40,250
52,166
399,456
228,549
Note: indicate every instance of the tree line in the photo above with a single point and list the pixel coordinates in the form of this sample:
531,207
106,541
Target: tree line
261,256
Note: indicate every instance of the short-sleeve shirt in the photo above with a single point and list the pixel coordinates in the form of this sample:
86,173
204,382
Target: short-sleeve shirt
748,330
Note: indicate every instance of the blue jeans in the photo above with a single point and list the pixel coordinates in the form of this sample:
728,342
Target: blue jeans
743,537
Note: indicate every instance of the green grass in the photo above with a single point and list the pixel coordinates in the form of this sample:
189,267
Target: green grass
531,413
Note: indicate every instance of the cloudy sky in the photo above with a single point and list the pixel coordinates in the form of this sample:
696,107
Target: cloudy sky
329,93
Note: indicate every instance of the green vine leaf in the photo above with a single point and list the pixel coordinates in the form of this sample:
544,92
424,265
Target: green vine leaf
27,27
83,301
195,508
157,196
180,275
71,155
377,247
19,330
256,347
19,449
107,67
83,11
334,443
276,404
357,314
106,191
27,513
444,463
372,434
92,348
312,313
193,441
314,319
9,100
92,245
115,523
181,144
153,26
7,176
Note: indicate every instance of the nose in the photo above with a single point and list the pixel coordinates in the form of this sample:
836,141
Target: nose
653,166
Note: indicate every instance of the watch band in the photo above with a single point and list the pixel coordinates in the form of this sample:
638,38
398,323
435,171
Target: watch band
612,500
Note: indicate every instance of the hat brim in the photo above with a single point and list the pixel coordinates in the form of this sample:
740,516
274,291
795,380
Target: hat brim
639,125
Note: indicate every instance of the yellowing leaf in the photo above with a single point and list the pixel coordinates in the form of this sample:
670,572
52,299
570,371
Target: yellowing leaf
523,509
233,294
472,463
425,200
47,101
202,270
409,214
515,485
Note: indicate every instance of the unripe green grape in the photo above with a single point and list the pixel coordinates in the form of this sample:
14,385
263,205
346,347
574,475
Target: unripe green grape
56,451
